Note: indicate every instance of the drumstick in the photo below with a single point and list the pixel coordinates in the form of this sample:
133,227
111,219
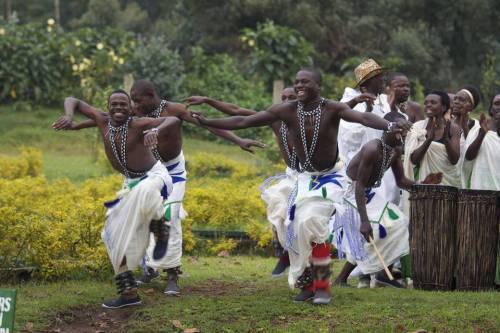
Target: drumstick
387,271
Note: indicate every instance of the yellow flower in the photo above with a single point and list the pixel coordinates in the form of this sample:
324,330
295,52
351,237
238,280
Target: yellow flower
121,61
115,58
78,43
13,93
87,61
71,59
81,67
2,31
75,67
251,43
49,29
243,38
99,46
51,21
111,53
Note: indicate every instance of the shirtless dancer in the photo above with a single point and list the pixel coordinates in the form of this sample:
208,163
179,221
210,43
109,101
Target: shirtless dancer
367,208
139,206
312,123
276,190
147,103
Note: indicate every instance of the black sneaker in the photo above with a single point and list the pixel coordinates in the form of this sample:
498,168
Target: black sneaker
382,279
281,266
172,288
121,302
148,276
322,297
304,296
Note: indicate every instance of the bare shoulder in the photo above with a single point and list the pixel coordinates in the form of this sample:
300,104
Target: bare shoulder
281,108
335,106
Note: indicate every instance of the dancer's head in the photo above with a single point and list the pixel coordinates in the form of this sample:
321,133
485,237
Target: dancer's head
465,100
307,84
399,84
144,96
288,95
119,106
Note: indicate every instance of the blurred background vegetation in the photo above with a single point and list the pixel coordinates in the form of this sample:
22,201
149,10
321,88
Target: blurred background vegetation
234,49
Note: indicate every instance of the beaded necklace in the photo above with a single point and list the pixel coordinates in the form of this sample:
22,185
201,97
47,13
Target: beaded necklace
292,156
386,162
156,113
315,117
121,156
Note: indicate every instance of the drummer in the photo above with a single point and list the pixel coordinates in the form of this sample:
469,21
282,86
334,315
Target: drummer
369,216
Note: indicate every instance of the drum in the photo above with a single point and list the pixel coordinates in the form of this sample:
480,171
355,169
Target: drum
477,239
433,215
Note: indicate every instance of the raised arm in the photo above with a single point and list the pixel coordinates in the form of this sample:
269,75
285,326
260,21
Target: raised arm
83,124
451,141
363,98
71,105
370,120
179,110
261,118
475,146
227,108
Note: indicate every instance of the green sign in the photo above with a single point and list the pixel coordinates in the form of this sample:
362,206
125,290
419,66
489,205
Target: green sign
7,310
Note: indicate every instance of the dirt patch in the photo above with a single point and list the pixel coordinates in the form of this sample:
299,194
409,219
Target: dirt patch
216,288
93,319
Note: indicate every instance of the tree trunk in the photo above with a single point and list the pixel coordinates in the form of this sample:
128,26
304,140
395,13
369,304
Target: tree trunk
57,12
7,13
278,86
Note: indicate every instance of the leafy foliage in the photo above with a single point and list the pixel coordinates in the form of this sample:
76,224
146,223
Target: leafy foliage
276,52
153,59
56,227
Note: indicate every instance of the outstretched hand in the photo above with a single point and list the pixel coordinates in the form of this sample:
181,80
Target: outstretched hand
483,122
247,144
63,123
195,100
365,98
433,178
151,139
403,125
198,116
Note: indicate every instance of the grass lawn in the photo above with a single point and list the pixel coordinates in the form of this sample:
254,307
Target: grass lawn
237,294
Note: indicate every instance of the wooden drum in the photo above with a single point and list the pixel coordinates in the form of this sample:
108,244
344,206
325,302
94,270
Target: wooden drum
433,216
477,239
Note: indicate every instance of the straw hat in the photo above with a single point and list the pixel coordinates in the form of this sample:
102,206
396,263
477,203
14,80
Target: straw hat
366,70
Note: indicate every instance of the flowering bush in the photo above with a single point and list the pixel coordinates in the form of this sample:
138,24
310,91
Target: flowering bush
41,64
56,227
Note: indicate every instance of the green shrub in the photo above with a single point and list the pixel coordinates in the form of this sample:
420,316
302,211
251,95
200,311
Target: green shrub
152,59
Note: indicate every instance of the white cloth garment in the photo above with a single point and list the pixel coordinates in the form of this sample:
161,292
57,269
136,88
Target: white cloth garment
483,173
390,231
314,199
275,192
353,136
126,232
435,159
466,166
174,213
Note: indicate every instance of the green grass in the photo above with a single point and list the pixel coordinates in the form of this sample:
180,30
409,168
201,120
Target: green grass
237,294
75,155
